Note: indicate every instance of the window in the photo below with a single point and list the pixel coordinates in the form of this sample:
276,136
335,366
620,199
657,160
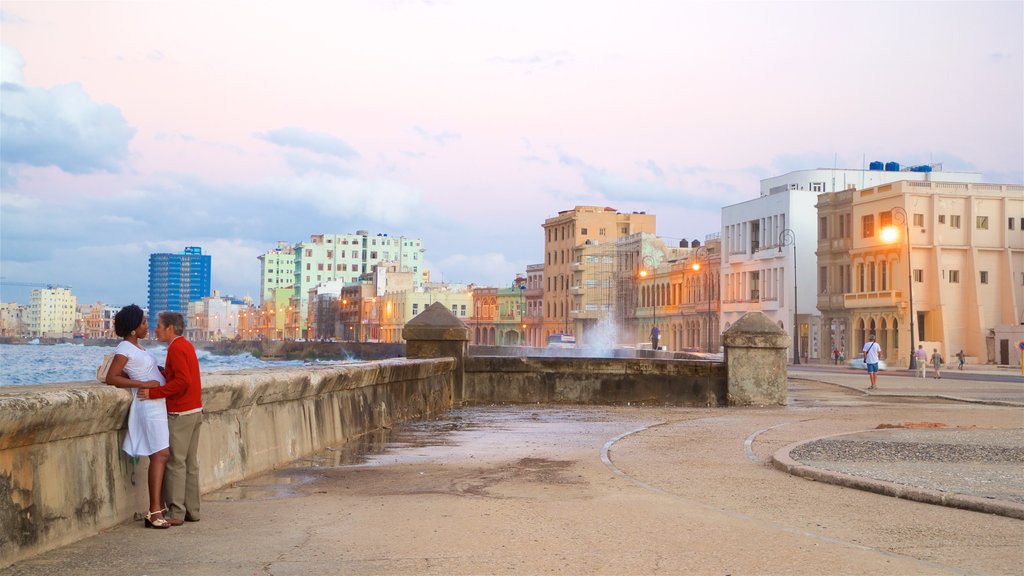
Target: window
918,275
954,276
822,279
885,219
954,220
330,253
822,228
919,220
817,186
860,277
309,252
601,232
981,222
984,276
583,231
625,230
942,218
868,225
462,309
320,266
1010,223
842,225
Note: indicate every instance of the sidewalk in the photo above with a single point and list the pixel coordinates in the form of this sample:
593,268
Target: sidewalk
901,383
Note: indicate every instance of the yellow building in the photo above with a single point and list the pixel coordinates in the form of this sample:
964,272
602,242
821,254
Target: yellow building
51,312
563,307
961,275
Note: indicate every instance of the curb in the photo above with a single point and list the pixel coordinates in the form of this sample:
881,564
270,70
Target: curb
1006,403
782,461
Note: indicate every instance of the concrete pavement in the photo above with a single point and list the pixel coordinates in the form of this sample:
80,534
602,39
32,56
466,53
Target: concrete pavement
622,490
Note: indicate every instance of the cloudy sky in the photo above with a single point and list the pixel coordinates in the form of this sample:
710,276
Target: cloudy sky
137,127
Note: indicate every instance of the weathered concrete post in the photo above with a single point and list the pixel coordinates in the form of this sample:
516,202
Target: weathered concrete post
437,333
755,361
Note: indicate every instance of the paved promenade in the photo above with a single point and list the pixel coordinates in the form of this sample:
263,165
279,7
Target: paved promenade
627,490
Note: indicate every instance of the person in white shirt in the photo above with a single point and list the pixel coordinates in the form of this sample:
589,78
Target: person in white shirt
922,359
871,351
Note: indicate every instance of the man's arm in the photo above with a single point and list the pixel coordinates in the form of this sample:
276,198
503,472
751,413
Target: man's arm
177,380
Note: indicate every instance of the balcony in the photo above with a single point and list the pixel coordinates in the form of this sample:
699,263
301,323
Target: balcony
886,299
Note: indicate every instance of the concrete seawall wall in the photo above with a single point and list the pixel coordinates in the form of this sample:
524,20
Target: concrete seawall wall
63,475
595,381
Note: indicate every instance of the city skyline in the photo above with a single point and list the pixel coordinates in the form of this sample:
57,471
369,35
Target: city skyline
147,127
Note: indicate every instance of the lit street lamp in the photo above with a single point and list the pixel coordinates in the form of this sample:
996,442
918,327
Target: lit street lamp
649,262
701,255
890,234
786,238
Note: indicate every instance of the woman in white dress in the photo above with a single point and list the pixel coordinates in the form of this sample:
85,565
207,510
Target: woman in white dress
133,368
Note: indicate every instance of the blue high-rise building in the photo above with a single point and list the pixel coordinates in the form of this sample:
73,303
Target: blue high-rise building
177,279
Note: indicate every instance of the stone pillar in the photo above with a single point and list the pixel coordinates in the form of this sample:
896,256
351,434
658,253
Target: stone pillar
437,333
755,361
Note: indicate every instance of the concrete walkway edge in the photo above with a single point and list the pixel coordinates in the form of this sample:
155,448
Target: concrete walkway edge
1008,403
782,461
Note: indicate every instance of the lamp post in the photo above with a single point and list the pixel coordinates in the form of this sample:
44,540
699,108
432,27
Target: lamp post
786,238
701,255
890,234
649,262
522,324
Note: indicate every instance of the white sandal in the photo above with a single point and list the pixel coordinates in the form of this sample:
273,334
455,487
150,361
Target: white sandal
157,522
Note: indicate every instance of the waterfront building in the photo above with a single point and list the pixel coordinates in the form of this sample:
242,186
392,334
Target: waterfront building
680,294
763,265
177,279
51,313
963,268
641,264
345,257
534,295
562,235
96,320
214,318
12,319
395,308
274,313
483,323
277,269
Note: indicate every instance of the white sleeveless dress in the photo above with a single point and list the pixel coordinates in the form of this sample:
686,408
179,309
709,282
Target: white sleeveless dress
147,419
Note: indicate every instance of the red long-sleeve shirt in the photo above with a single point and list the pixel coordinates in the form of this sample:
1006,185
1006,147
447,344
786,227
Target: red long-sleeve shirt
184,389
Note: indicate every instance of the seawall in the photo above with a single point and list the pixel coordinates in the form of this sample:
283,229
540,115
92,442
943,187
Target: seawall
63,475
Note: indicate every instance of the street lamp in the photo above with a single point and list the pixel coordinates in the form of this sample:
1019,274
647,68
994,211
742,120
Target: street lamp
786,238
701,255
890,234
649,262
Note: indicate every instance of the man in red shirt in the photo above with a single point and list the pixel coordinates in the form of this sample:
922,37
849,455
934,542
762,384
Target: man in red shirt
183,392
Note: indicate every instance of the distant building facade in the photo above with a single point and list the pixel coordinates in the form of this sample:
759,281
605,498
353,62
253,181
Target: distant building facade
563,234
177,279
51,313
12,319
277,269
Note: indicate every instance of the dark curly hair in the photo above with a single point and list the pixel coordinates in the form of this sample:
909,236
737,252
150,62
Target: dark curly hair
127,319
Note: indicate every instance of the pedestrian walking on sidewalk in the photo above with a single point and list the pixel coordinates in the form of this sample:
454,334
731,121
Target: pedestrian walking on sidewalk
871,351
937,362
960,358
922,360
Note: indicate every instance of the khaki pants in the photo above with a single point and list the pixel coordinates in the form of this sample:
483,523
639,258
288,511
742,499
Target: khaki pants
922,367
181,482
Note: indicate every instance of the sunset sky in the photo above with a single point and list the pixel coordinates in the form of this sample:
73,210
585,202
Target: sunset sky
137,127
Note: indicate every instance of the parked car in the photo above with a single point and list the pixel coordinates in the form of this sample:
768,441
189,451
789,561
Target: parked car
858,364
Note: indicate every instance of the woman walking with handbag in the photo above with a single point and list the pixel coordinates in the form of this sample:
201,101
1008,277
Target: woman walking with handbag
134,367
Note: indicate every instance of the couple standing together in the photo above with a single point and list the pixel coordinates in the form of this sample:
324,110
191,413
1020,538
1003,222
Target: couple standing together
166,412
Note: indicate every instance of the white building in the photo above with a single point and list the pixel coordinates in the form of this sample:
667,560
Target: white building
757,275
51,313
213,318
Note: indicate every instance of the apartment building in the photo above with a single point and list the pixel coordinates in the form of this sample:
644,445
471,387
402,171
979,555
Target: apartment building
960,277
395,309
96,320
51,313
769,243
535,305
175,279
277,269
345,257
215,318
563,299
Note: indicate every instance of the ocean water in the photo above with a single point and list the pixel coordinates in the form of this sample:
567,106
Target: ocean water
22,364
